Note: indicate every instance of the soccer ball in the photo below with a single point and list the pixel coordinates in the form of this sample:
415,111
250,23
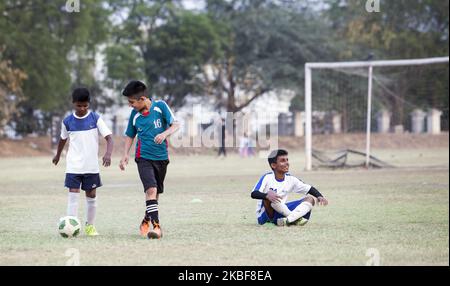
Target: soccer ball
69,226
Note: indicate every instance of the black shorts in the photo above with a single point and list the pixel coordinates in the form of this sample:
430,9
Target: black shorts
87,182
152,173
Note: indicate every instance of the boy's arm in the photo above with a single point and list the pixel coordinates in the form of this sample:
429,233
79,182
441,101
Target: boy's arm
258,195
169,131
270,196
315,193
302,188
109,149
61,144
126,150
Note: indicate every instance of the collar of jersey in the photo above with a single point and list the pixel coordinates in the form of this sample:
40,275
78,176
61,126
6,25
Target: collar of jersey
78,117
147,112
277,179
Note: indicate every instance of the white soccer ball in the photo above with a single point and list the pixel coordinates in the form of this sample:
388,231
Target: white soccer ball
69,226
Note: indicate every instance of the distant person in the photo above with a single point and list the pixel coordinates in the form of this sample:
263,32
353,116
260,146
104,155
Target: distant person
272,190
82,170
246,146
152,122
243,145
222,132
251,147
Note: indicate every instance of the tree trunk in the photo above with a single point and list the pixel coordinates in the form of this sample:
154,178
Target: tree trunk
231,100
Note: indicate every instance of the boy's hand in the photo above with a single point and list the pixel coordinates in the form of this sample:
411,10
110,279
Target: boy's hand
55,160
107,160
123,162
322,201
273,197
160,138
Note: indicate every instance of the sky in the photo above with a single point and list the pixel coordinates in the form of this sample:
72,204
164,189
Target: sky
194,4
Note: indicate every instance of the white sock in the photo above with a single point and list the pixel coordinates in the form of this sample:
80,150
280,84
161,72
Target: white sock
91,207
72,204
281,208
299,211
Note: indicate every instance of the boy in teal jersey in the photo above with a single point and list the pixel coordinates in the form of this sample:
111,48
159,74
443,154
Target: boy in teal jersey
152,122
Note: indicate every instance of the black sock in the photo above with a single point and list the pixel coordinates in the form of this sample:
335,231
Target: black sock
152,211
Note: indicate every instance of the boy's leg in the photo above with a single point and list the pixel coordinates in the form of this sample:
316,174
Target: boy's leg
281,208
151,203
160,170
268,209
298,209
90,183
72,202
152,213
91,209
91,206
301,210
73,182
147,176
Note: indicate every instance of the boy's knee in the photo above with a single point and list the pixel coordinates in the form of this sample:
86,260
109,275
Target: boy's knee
151,193
310,200
268,208
91,194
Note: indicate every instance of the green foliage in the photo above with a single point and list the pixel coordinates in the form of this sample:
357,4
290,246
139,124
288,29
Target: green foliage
234,50
123,63
402,29
11,93
45,41
177,53
267,46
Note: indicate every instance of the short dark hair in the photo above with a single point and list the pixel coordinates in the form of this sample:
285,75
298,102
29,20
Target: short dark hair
81,94
134,89
273,156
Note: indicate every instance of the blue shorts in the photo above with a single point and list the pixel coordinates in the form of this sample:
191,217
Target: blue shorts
88,182
276,215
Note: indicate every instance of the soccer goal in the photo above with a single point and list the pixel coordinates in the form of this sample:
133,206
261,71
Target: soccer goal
392,96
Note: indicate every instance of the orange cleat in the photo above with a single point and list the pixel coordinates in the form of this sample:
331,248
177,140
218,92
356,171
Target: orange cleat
156,232
144,228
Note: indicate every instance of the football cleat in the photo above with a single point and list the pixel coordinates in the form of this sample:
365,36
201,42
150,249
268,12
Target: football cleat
156,232
282,221
90,230
301,222
144,228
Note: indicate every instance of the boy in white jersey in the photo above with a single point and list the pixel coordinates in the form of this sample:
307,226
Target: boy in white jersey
272,190
82,170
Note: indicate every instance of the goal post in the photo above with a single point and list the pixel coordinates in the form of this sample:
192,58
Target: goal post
370,66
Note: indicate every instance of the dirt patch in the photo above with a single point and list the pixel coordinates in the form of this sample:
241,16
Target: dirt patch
40,146
30,146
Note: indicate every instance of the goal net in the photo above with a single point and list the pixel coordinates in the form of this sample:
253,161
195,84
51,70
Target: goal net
349,104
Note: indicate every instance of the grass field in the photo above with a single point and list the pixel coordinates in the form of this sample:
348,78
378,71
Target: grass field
403,213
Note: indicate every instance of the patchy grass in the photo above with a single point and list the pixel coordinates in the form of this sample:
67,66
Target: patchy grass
208,217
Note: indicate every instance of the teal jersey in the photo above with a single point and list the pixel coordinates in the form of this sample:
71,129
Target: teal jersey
147,126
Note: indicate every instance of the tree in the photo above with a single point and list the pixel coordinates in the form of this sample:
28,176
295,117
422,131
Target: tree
267,46
40,39
10,90
137,20
178,54
234,50
403,29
